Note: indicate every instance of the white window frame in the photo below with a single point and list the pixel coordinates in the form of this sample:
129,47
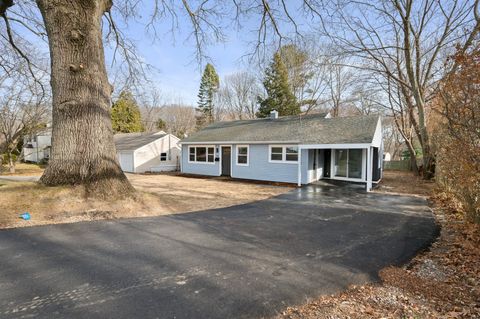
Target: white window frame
166,156
332,166
195,147
284,154
248,155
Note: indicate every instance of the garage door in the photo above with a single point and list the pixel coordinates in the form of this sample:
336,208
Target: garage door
126,162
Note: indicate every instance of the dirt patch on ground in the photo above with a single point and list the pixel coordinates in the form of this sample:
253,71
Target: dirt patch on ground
157,195
401,182
443,282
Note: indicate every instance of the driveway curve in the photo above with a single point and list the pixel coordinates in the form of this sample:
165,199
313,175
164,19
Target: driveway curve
247,261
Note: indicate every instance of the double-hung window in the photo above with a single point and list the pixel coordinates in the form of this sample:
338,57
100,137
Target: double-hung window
242,155
291,153
163,157
201,154
283,154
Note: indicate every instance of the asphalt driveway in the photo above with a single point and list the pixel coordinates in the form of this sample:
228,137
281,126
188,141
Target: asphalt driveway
247,261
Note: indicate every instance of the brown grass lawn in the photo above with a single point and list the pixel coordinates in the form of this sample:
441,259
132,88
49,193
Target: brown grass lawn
23,169
401,182
157,195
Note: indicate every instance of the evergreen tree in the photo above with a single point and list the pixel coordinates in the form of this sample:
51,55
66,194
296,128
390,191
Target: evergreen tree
208,88
126,116
298,64
161,125
279,93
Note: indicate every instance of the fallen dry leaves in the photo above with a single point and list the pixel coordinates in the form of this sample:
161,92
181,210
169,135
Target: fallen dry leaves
443,282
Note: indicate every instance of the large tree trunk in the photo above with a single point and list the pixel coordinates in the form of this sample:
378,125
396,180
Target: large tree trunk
428,169
83,151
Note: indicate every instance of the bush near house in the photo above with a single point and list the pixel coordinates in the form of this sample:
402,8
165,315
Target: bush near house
458,135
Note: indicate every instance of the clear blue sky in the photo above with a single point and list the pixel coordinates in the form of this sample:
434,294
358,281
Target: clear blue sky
179,73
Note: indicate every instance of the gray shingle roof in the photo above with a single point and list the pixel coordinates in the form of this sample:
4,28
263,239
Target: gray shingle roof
305,129
132,141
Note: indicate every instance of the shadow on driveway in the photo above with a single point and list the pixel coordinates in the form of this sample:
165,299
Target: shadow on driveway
245,261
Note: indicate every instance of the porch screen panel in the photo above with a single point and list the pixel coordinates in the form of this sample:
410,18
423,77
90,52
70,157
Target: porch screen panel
341,159
355,163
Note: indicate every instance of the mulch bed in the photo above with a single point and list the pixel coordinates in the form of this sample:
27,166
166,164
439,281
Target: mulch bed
443,282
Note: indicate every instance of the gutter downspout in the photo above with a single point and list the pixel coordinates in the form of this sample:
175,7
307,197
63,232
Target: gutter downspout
169,149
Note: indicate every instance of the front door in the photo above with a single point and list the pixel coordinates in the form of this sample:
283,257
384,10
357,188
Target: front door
226,160
326,163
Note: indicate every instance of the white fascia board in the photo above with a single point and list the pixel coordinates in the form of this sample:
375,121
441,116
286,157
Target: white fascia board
334,146
303,146
172,136
378,136
239,142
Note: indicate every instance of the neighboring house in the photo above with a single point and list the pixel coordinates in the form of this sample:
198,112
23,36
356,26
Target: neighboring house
36,147
147,152
292,149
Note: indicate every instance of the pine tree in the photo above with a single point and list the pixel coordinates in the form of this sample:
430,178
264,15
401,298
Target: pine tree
161,124
126,116
279,93
208,88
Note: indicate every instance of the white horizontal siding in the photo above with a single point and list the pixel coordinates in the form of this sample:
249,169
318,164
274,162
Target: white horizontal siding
148,156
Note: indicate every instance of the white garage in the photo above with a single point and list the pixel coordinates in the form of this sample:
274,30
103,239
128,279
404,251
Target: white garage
147,152
126,161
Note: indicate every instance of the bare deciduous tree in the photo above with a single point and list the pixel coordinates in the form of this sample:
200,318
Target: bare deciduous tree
238,95
179,118
392,139
405,41
23,110
340,81
151,103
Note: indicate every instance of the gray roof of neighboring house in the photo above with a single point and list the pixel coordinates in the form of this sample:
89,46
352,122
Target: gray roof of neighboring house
132,141
304,129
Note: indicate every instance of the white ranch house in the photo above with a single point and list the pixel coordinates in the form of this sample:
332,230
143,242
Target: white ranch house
147,152
36,147
293,149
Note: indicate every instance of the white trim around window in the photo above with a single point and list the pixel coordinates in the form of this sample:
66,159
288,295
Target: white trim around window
246,156
209,153
344,178
285,155
163,156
